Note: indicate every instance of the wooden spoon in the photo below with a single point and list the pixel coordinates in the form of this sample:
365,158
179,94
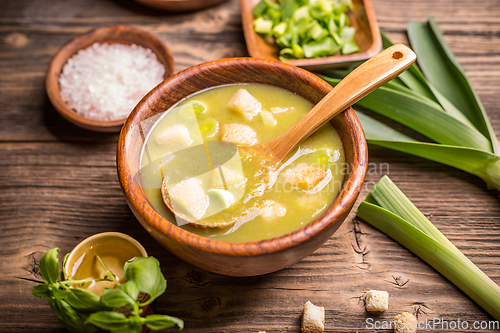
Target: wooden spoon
372,74
360,82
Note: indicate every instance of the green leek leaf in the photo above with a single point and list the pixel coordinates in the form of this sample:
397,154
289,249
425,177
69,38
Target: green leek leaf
423,116
414,80
411,78
483,164
445,74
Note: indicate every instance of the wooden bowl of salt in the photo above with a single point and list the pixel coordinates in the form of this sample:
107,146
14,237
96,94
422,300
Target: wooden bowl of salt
97,78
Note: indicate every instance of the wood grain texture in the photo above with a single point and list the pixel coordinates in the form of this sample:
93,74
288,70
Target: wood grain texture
180,5
58,183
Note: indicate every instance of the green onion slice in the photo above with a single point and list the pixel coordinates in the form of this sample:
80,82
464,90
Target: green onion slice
209,127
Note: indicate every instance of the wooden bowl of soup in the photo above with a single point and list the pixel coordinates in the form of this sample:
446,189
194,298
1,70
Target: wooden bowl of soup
280,234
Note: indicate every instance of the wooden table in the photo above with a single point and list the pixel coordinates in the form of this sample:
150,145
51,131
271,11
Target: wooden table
58,183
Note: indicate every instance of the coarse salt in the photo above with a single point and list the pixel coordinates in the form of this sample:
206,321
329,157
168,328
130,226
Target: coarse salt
106,81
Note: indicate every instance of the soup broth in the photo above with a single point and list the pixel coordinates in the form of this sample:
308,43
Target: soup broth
241,200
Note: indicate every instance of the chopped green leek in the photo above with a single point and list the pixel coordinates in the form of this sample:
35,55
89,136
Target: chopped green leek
325,156
262,26
262,7
279,30
306,28
198,107
209,127
320,49
389,210
350,48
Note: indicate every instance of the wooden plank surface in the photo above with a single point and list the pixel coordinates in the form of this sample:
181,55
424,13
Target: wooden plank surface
58,184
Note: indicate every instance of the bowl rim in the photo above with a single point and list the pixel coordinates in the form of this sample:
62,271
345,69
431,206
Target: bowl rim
108,234
71,48
334,213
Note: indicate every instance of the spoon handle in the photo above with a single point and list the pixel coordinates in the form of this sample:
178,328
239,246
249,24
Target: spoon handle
360,82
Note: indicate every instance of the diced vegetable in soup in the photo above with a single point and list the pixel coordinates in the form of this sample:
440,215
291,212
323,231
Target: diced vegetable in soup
228,196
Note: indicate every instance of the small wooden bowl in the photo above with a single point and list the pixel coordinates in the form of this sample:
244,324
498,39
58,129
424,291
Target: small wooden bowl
110,34
362,17
180,5
102,238
244,258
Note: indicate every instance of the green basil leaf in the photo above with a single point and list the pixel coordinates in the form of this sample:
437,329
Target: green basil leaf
115,298
63,271
130,287
134,325
68,317
108,320
147,275
42,290
83,300
49,266
159,322
58,292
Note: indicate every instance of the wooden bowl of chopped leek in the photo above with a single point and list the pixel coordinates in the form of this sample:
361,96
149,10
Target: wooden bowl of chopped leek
314,35
96,79
145,130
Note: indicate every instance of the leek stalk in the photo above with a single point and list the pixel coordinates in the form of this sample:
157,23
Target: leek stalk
389,210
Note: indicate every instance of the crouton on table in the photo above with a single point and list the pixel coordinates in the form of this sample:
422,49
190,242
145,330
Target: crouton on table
405,323
313,319
377,301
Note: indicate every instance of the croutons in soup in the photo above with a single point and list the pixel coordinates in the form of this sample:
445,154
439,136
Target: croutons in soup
235,197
